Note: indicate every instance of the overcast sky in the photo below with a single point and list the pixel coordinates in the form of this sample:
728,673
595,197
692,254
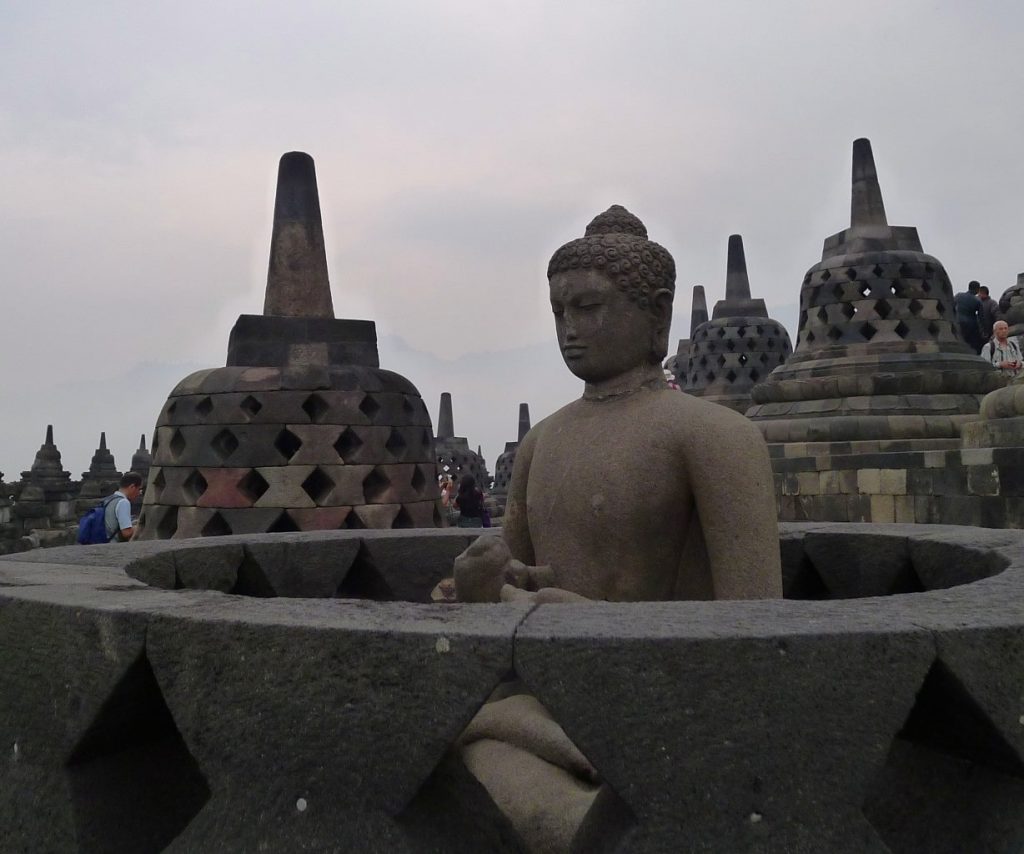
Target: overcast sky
457,144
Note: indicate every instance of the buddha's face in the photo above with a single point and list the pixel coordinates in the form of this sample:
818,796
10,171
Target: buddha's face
601,333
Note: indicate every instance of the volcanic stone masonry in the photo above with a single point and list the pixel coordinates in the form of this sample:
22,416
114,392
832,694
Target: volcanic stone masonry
739,346
677,363
506,462
101,479
302,430
453,454
45,495
864,421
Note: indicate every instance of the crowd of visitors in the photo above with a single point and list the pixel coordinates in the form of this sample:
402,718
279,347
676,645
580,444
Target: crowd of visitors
978,318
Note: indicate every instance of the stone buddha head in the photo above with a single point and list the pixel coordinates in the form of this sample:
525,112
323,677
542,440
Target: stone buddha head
611,295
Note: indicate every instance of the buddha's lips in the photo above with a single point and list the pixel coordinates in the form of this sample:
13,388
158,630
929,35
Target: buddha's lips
571,351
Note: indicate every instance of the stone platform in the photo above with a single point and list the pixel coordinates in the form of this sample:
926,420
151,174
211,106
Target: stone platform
249,697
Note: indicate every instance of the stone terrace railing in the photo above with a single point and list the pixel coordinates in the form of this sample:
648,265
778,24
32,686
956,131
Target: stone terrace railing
140,712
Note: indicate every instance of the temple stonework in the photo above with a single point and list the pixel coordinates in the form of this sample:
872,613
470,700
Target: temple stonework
45,494
302,430
452,453
739,346
102,478
505,463
678,363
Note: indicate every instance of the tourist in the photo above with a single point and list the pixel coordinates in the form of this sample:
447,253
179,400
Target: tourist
118,514
1003,352
968,311
470,503
989,313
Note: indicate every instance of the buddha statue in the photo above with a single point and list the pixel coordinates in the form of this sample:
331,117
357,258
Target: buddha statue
581,524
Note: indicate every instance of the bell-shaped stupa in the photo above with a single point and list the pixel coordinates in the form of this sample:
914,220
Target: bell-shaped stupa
302,430
878,353
678,363
739,346
45,493
453,455
103,477
506,462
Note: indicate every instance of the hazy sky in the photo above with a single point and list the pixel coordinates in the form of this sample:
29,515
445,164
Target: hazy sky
457,145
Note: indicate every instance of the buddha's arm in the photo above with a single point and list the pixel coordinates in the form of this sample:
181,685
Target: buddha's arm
731,478
516,525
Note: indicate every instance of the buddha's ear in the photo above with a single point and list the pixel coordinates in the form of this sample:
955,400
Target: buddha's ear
661,308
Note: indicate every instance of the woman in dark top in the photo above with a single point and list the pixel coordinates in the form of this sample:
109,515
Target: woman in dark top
470,502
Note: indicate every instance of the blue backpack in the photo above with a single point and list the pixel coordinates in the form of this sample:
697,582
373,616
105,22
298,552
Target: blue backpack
92,527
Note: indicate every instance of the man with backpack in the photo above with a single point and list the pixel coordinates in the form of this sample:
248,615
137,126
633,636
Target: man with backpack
111,521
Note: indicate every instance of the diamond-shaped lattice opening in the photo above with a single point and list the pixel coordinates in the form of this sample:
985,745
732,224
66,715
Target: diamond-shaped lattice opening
419,481
904,270
825,275
375,485
730,345
926,287
703,361
835,333
134,786
353,522
216,526
902,329
868,331
851,273
348,444
315,407
721,361
928,269
764,358
940,307
755,375
287,443
864,290
933,329
712,346
402,519
822,314
810,337
751,343
177,444
396,445
710,377
883,309
838,291
896,287
369,407
770,344
878,271
807,278
172,407
950,779
251,406
760,330
741,331
204,407
318,485
168,523
224,444
194,486
914,307
721,332
159,482
283,524
253,485
731,375
407,406
849,310
743,359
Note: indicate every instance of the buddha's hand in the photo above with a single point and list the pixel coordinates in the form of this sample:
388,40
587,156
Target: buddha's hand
544,596
482,569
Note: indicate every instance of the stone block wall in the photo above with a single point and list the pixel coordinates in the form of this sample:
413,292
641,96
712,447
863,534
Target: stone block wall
931,482
149,718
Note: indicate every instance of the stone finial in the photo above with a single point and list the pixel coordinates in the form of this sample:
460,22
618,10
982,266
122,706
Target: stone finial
445,421
699,309
103,441
297,282
866,207
142,442
524,420
737,285
49,436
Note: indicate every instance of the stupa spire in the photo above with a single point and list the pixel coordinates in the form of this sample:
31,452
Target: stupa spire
445,421
866,206
524,420
297,282
699,309
737,285
49,435
103,441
